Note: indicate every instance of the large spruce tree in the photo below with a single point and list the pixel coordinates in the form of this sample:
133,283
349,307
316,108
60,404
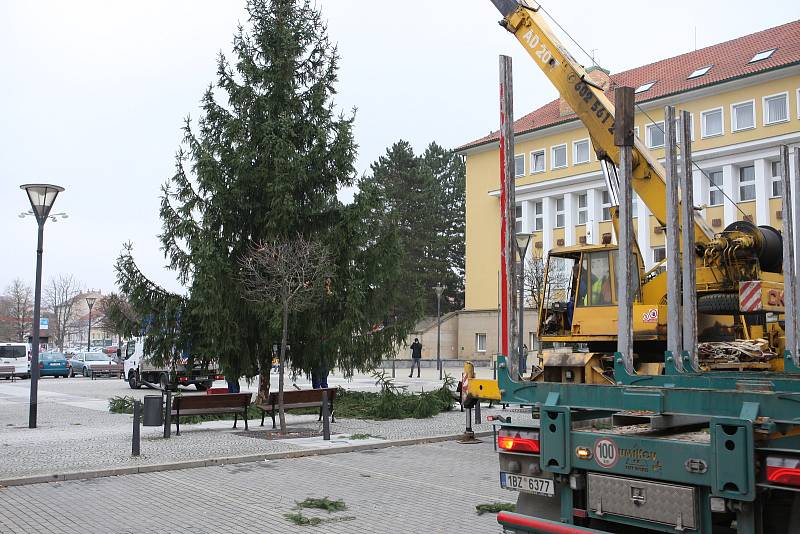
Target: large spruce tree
423,197
265,162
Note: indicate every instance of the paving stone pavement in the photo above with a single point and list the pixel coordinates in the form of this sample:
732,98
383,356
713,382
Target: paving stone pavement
77,433
420,488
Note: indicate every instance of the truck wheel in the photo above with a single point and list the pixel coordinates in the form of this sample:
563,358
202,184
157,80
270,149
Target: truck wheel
782,513
86,372
133,380
718,303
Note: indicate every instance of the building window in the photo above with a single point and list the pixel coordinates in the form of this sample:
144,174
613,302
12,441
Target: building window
580,152
655,135
777,181
699,72
743,116
715,196
644,87
480,342
776,109
711,122
659,254
519,165
518,218
583,209
538,216
679,127
558,157
560,212
762,55
537,161
747,183
606,205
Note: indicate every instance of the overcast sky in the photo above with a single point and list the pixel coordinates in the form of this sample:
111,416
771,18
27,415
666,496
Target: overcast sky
93,95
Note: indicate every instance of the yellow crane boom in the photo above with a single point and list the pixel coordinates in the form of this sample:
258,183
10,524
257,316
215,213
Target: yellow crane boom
591,105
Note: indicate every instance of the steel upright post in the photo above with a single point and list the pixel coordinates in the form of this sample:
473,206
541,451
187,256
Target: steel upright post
136,438
674,331
623,138
37,298
796,246
789,274
688,255
507,207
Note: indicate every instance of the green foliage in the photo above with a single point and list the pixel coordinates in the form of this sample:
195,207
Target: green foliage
494,507
423,197
323,504
302,520
265,162
363,436
120,404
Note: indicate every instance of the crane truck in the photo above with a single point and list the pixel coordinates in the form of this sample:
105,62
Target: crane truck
682,449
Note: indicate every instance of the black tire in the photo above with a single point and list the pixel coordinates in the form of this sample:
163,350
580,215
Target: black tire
782,513
163,381
71,373
133,380
718,304
86,372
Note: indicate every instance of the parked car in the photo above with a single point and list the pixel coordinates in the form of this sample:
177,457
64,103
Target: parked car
53,364
84,362
16,355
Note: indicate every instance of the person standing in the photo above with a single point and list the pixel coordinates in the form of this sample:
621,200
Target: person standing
416,356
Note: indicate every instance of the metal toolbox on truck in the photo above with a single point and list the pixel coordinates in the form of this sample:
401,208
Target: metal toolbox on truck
668,504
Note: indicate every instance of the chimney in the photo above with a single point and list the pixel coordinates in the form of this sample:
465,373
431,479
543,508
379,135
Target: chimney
597,76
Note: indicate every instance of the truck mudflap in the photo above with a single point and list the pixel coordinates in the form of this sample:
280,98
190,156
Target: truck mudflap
524,523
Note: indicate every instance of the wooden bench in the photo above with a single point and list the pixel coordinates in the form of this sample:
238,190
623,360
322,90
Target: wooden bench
303,398
7,371
115,369
235,403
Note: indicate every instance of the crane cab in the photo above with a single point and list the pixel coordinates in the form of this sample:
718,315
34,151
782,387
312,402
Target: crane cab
579,303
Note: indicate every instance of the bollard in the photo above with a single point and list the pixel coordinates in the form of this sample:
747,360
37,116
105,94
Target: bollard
326,417
168,415
135,446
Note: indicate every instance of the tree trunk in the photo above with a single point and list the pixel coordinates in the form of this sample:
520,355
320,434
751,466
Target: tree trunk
281,366
264,377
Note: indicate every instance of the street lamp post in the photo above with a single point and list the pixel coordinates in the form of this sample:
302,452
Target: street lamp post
523,240
90,303
439,290
41,197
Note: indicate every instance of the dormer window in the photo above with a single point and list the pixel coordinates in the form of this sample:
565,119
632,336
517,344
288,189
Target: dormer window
763,55
644,87
700,72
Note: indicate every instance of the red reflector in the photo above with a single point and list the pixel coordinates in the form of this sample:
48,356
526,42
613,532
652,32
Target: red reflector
783,470
517,444
183,379
219,377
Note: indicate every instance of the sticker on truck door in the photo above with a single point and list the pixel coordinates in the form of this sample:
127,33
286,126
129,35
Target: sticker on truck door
606,453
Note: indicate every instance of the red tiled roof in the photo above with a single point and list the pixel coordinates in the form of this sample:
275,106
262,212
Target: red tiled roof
729,59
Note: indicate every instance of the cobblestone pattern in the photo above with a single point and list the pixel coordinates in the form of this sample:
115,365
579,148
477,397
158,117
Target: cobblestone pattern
422,488
77,433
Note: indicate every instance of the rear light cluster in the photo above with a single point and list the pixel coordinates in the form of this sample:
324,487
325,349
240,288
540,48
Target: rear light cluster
517,440
219,377
783,470
183,379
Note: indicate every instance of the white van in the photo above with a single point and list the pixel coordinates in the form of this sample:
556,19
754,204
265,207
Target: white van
16,354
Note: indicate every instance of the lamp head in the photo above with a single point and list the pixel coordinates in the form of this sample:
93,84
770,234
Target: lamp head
42,197
90,301
523,240
439,288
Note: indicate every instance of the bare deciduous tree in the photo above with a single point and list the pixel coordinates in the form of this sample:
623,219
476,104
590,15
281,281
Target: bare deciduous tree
59,298
19,299
292,274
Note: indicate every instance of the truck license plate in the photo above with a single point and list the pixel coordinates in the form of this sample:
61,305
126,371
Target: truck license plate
536,486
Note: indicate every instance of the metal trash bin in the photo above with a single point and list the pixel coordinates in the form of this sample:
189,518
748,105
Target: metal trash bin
153,410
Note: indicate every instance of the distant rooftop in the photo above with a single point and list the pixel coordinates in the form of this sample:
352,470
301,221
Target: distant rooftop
745,56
